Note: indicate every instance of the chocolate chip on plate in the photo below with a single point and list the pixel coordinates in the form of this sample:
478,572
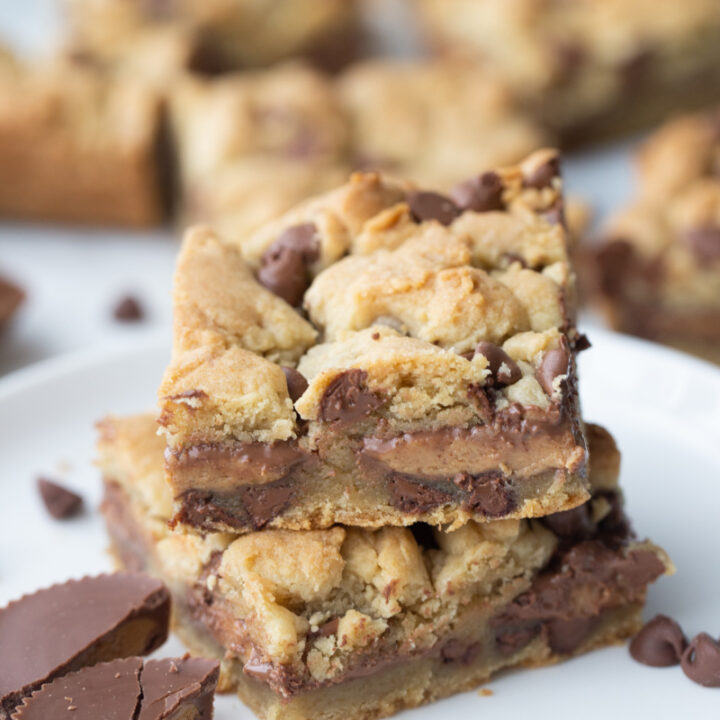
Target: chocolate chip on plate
701,661
660,643
128,309
60,502
425,205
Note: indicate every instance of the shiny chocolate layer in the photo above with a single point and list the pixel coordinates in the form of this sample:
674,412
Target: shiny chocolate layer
81,622
128,690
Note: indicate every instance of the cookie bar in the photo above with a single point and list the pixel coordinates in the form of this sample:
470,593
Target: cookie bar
346,622
11,296
130,689
434,378
252,145
77,147
589,69
657,272
226,34
455,117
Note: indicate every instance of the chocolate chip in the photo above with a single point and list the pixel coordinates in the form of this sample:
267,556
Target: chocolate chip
347,398
554,363
701,661
284,265
660,643
60,502
704,242
460,652
575,524
432,206
635,69
566,636
296,382
128,309
503,369
412,497
265,502
582,342
510,640
488,494
542,176
479,194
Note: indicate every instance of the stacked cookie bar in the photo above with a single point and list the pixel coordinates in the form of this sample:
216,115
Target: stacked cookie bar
373,486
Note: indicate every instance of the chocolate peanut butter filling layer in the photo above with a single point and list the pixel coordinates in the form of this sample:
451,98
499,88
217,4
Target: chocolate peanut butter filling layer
82,622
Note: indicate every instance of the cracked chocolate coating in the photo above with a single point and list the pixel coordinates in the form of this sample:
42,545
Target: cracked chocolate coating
62,628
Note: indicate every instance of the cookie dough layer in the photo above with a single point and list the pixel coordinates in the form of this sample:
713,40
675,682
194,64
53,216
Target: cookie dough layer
589,69
77,147
434,378
657,272
298,616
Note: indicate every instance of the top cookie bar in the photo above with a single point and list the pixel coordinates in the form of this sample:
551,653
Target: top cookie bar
379,356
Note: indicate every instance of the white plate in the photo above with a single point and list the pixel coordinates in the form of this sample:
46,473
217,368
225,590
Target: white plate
663,407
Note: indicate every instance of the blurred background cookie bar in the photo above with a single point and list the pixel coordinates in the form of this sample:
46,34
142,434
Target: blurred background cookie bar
656,272
591,68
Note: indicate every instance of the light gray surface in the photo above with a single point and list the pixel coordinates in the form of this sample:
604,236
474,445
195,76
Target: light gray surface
73,276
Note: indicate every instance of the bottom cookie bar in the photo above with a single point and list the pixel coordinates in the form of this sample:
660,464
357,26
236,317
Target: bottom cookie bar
356,623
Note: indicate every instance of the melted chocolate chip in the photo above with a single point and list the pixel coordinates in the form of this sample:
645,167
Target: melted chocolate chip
284,265
575,524
582,342
489,494
128,309
413,497
60,502
432,206
459,651
265,502
503,369
566,636
704,242
554,363
296,382
347,398
660,643
479,194
509,640
542,176
701,661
